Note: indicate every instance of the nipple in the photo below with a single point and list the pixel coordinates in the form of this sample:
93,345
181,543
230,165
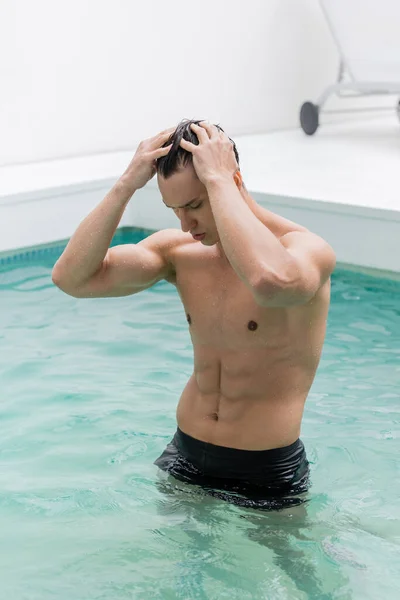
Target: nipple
252,325
188,319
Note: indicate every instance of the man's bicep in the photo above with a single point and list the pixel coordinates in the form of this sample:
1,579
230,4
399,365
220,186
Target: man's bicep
128,269
134,267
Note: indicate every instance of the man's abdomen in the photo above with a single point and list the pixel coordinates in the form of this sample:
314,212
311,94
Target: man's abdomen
252,421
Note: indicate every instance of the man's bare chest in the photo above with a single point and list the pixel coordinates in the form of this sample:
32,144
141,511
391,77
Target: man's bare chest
221,310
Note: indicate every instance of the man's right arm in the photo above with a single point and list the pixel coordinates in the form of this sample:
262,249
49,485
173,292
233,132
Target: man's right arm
88,268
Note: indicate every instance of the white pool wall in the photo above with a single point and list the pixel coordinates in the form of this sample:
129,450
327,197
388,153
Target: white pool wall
342,184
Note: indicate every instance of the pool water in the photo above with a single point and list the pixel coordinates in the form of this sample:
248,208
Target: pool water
88,396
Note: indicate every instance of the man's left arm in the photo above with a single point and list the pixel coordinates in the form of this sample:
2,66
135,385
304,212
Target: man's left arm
279,272
313,261
254,252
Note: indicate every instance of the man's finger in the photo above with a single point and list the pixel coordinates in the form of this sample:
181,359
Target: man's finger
167,131
200,132
159,152
210,128
224,135
159,139
187,145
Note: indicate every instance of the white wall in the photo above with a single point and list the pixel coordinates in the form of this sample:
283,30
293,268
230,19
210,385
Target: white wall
88,76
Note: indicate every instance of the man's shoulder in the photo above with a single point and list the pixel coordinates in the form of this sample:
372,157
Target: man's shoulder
168,242
165,237
169,238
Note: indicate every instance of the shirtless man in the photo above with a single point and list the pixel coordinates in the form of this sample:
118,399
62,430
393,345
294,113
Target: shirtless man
255,288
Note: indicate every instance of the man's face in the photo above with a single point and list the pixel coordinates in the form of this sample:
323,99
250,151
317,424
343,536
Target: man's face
184,193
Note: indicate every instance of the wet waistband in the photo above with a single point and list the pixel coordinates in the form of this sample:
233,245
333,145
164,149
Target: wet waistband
195,450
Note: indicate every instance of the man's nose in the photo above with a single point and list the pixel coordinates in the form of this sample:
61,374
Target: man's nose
186,222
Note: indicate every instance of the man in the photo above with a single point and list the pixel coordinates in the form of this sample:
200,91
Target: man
255,288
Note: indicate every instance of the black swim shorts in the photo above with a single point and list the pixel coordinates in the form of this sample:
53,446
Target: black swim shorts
263,479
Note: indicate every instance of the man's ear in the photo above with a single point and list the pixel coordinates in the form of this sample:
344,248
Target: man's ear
238,179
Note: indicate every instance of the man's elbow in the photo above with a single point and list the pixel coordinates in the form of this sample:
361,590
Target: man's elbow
56,277
59,281
283,292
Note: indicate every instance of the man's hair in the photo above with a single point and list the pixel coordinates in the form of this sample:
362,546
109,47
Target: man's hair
178,157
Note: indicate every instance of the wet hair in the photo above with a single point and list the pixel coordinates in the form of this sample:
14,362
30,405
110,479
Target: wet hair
178,157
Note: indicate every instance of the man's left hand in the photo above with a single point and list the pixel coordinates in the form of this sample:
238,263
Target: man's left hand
214,157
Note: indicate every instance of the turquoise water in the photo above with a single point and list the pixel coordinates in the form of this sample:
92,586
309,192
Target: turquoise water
88,396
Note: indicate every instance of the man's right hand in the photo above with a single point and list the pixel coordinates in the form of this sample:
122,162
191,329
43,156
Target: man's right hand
143,165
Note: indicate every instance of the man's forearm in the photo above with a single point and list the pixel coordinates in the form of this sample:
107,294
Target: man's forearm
251,248
88,246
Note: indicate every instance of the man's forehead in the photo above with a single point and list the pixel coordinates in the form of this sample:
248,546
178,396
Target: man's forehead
180,189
